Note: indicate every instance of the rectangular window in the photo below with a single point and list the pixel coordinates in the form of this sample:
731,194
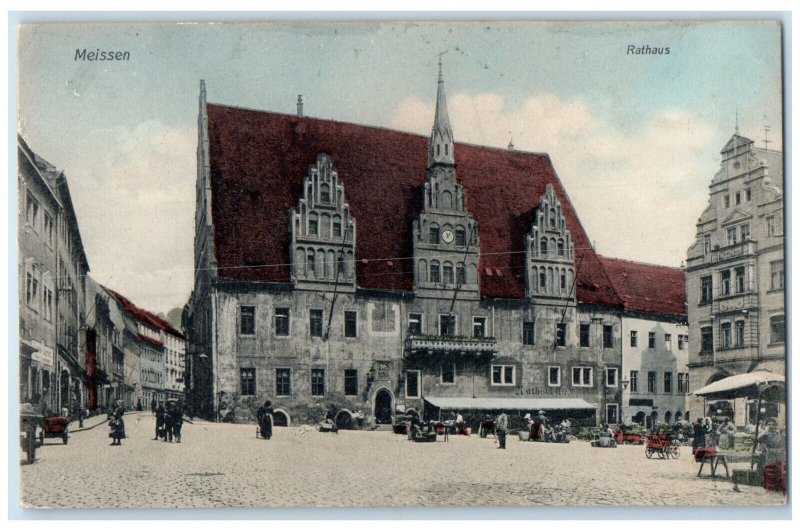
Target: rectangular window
706,290
350,382
412,384
668,382
680,383
747,194
726,199
706,244
744,232
554,376
651,382
738,198
582,377
527,333
503,374
415,324
725,333
48,228
611,377
337,229
461,238
31,211
315,323
706,340
686,383
680,342
281,321
771,226
247,320
350,324
777,326
612,413
739,280
447,325
561,334
608,336
434,235
313,227
725,281
651,340
479,327
732,235
447,274
739,337
435,273
634,338
317,382
634,381
668,341
447,373
247,379
31,288
776,278
283,382
584,339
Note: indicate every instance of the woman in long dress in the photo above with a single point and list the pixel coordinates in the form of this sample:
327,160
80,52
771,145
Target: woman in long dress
117,426
265,419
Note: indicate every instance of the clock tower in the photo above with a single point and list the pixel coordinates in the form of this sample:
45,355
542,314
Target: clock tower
446,242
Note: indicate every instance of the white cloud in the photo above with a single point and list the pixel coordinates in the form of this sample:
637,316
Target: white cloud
638,193
133,191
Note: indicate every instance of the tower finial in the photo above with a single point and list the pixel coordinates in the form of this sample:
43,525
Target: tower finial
440,147
737,121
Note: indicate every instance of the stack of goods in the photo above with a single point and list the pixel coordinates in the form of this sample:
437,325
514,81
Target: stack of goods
743,442
705,453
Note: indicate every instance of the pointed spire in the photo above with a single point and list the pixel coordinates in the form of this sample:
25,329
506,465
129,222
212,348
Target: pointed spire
440,147
737,121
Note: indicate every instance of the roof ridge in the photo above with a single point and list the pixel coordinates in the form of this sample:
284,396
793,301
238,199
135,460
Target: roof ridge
647,264
381,128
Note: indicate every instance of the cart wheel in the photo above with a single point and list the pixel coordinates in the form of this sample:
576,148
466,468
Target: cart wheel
676,452
649,453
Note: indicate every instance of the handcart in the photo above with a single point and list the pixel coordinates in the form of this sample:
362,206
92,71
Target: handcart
663,444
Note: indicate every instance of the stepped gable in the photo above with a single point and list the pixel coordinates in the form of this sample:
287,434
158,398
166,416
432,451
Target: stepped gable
648,288
258,161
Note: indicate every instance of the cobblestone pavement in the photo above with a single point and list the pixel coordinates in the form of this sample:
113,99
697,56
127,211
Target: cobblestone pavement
224,465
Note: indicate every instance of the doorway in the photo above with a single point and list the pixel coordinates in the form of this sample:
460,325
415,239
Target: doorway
383,407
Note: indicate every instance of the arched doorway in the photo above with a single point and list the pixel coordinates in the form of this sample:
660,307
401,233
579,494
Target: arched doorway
668,417
383,406
281,418
344,420
639,418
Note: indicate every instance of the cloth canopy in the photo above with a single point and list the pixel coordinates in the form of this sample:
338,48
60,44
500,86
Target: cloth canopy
521,404
749,384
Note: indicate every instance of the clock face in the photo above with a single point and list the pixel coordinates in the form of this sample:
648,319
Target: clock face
447,236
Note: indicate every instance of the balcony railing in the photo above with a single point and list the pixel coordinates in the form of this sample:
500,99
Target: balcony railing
746,248
422,343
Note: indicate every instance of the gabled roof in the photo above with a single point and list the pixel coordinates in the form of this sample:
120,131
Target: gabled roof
144,316
737,142
648,288
259,159
736,216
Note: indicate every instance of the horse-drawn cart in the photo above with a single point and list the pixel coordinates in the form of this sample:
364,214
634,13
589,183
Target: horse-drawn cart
662,444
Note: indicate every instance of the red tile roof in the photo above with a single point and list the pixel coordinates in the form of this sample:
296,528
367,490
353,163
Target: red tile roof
258,162
648,288
145,317
150,340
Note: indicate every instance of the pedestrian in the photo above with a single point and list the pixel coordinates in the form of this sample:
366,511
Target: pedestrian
169,420
725,434
698,435
539,426
528,425
177,421
153,406
264,415
501,427
117,428
708,432
160,422
459,424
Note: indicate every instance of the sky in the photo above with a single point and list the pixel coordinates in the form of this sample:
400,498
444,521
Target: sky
634,138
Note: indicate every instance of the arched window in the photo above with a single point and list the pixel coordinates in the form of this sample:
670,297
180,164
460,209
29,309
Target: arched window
301,262
461,237
311,264
325,226
543,247
563,279
543,280
461,274
351,259
313,224
552,218
324,194
337,226
434,276
434,234
668,417
560,247
324,266
447,273
341,265
447,200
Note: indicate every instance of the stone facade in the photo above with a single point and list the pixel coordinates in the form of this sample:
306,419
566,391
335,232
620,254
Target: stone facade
735,272
484,316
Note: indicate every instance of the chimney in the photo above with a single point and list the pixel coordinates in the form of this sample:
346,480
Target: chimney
300,105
